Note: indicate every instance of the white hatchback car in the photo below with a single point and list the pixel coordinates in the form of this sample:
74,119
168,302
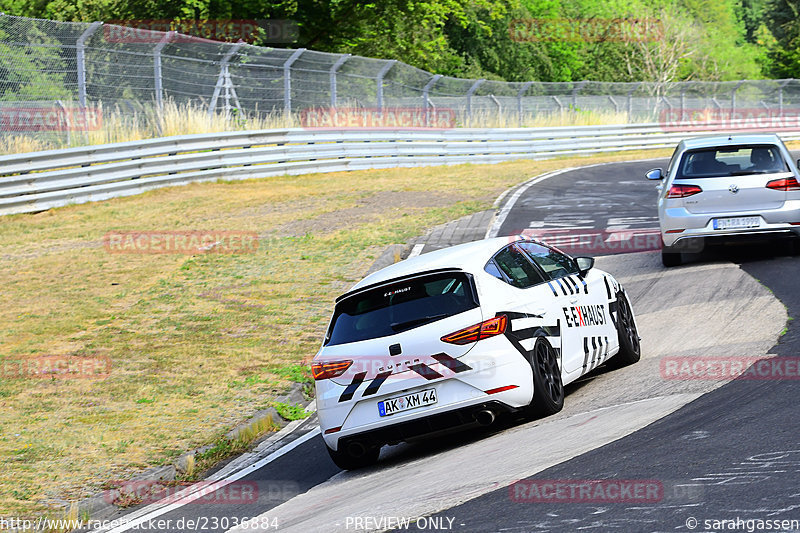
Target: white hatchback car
455,337
724,188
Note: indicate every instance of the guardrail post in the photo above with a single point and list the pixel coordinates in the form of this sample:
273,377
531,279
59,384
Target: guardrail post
287,80
80,57
334,69
425,100
224,80
525,87
157,81
386,68
470,92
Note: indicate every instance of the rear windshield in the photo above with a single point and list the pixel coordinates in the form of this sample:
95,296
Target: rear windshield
401,306
731,161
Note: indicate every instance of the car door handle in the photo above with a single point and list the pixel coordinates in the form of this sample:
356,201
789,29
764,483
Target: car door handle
573,300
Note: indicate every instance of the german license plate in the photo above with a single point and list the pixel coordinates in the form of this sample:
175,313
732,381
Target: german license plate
406,402
737,222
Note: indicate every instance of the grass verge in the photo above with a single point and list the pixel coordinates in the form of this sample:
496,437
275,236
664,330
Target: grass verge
196,343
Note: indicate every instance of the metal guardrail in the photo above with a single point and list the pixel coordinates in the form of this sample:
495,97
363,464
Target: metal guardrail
37,181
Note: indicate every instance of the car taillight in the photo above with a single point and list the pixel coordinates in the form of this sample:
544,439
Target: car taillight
784,184
329,370
682,191
484,330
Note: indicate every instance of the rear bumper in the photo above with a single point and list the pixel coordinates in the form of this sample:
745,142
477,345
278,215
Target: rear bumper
427,426
460,395
694,227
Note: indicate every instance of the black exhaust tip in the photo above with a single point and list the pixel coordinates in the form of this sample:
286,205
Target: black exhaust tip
485,417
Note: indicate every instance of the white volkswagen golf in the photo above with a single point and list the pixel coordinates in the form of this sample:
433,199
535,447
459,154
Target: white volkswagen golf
457,336
725,188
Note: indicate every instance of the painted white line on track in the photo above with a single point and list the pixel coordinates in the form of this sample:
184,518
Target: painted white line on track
498,221
193,493
494,228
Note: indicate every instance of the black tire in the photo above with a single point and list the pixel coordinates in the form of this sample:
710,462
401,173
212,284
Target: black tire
548,390
670,258
630,350
347,461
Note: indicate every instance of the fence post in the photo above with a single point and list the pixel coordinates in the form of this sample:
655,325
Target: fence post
287,80
733,97
80,57
470,92
223,80
425,102
386,68
525,87
575,90
334,69
781,85
157,82
630,100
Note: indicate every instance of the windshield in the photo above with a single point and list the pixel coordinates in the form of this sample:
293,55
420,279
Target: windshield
401,306
731,161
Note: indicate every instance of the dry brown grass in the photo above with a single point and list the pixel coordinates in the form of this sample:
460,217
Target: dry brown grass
120,125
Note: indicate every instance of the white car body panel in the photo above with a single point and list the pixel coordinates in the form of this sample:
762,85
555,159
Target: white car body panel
576,314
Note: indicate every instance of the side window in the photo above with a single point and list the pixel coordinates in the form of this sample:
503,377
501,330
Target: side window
517,267
491,268
672,161
553,263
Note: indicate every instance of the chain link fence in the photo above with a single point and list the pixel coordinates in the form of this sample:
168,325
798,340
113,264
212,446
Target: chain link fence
59,80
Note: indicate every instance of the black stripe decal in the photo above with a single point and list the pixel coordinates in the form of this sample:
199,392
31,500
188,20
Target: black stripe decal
562,287
452,363
595,354
536,331
425,371
612,311
585,285
376,383
608,289
569,285
552,288
574,284
351,389
601,354
605,356
585,353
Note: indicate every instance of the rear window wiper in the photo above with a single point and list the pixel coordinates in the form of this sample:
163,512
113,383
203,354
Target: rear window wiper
408,324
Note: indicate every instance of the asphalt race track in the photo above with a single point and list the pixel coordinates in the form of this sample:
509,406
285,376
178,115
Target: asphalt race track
684,452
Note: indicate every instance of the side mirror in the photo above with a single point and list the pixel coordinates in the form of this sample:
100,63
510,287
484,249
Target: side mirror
654,174
584,264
